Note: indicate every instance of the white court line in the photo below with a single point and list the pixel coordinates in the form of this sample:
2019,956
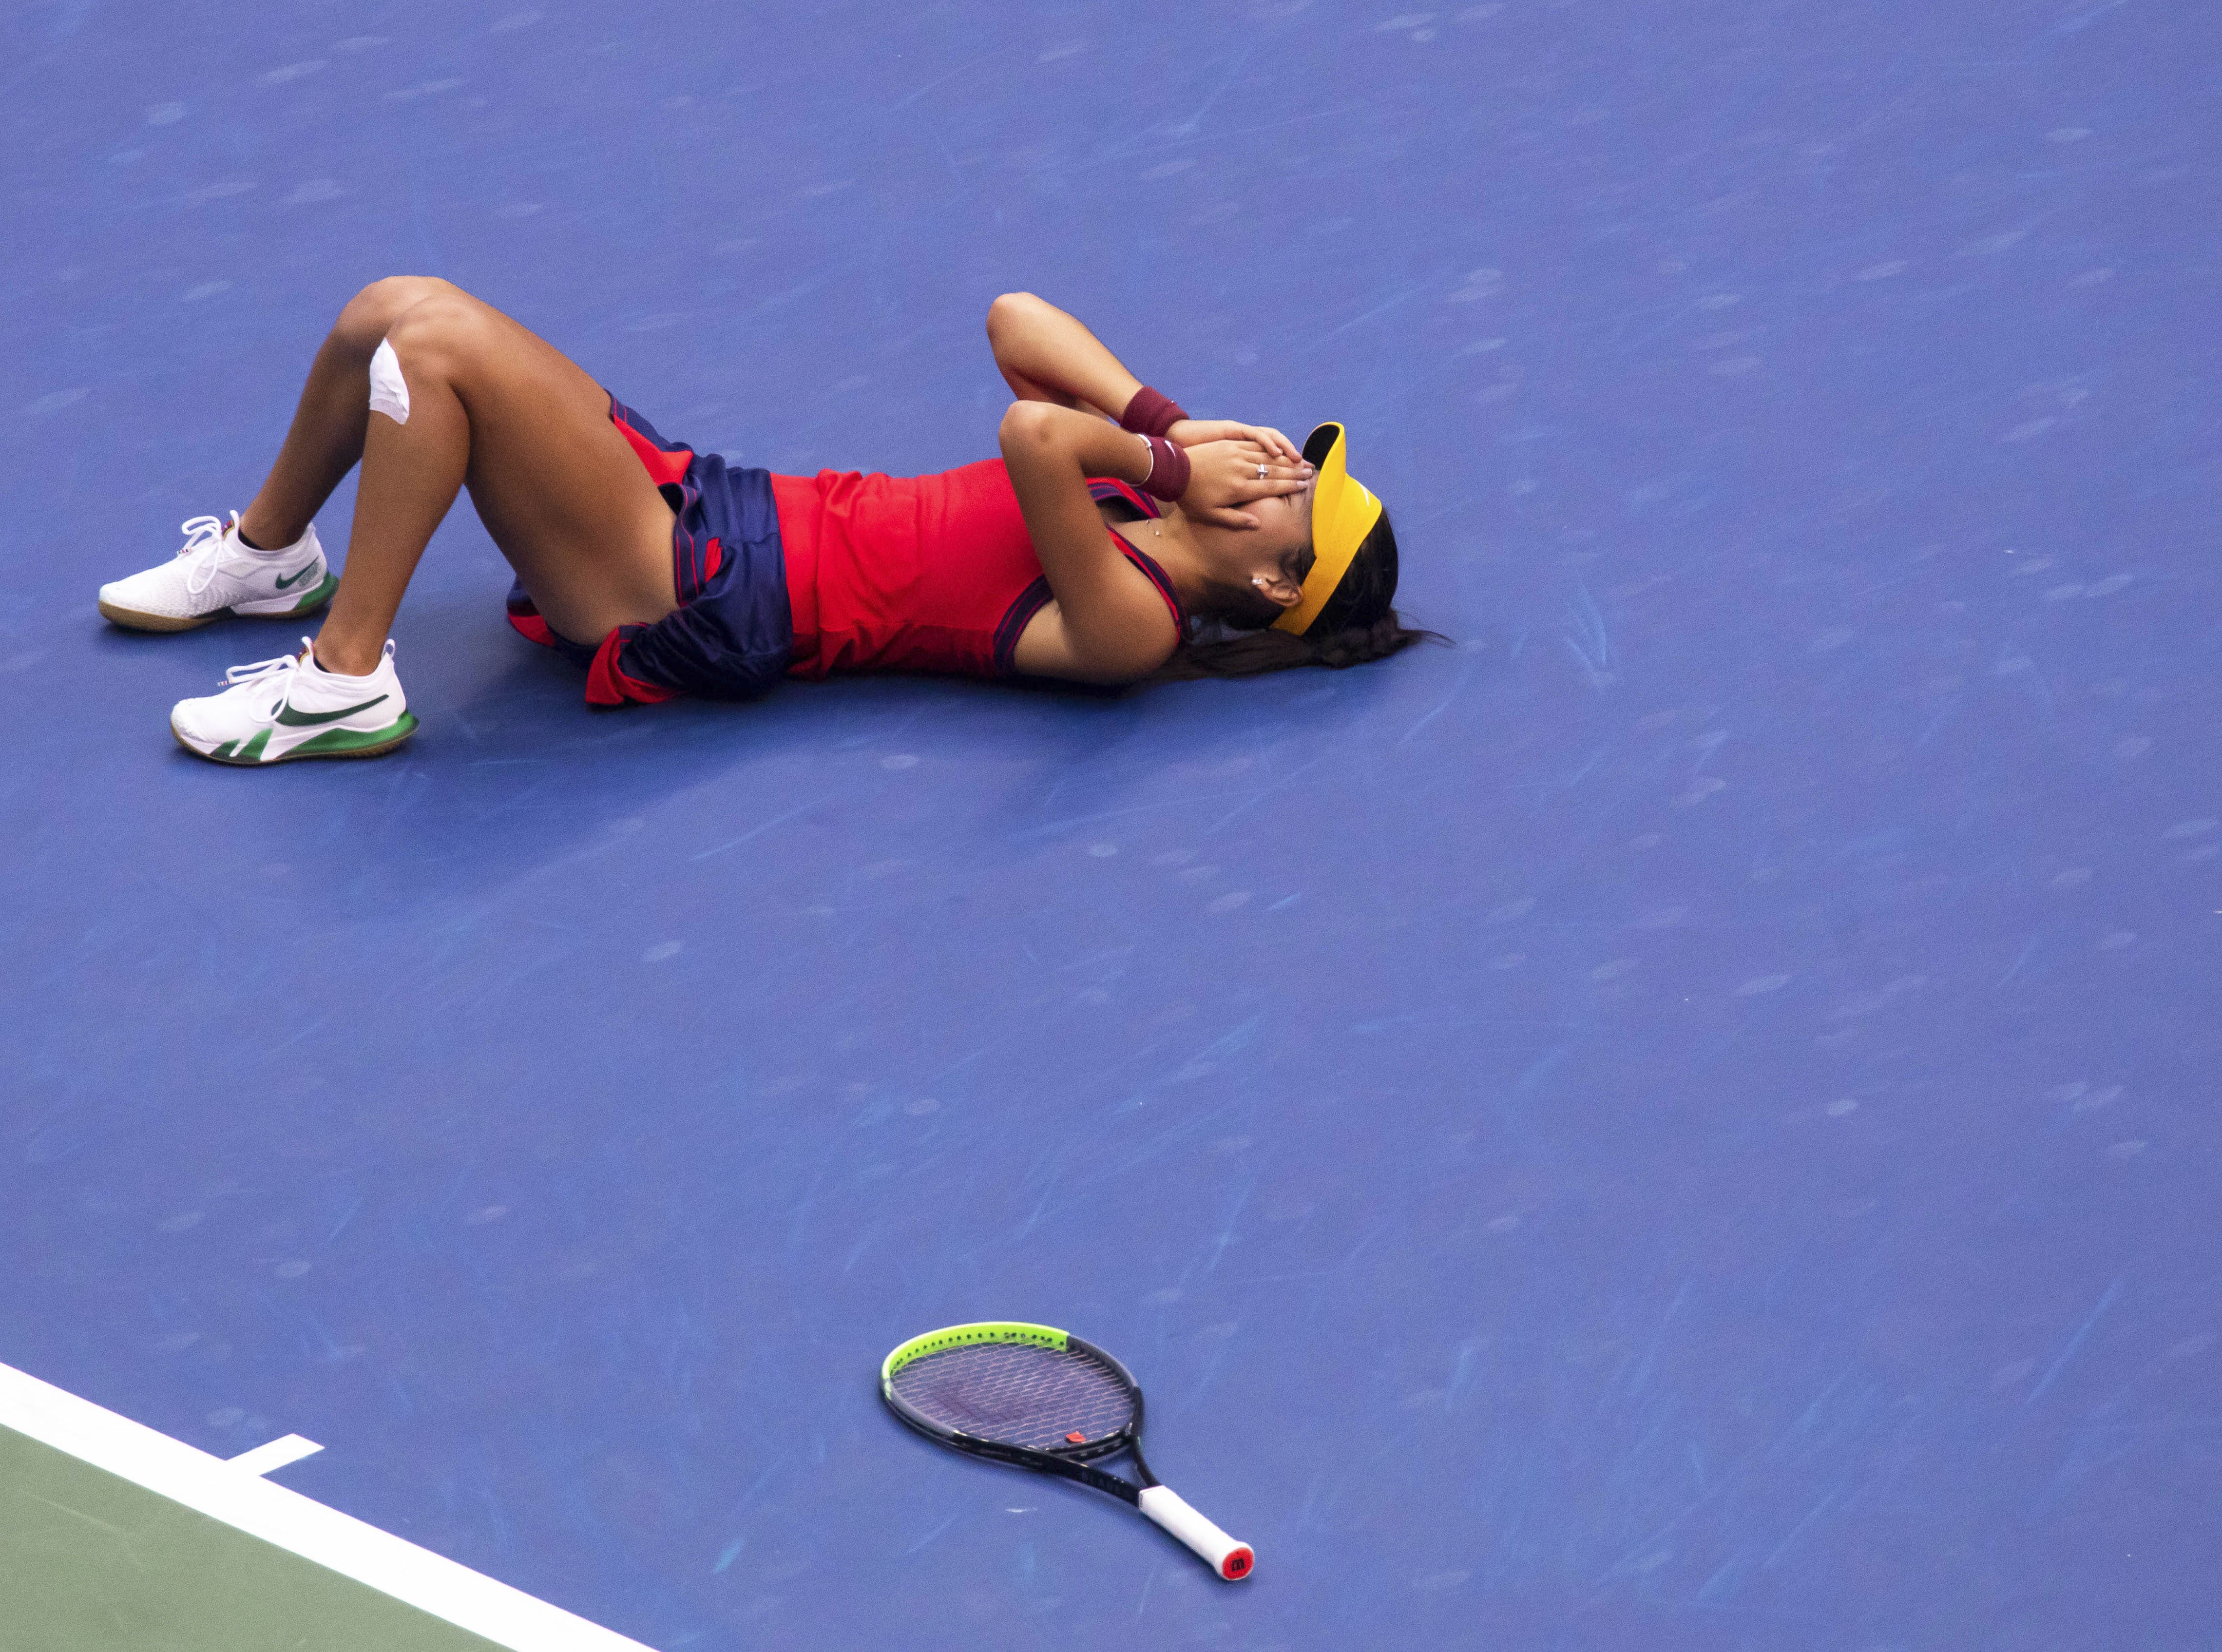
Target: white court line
287,1448
297,1524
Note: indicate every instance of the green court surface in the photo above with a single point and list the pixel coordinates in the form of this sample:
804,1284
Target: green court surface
90,1562
114,1537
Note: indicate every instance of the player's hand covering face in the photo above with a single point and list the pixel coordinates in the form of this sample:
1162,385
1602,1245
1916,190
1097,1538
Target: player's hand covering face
1226,474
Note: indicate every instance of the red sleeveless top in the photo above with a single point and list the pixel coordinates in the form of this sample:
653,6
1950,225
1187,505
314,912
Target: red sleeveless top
920,573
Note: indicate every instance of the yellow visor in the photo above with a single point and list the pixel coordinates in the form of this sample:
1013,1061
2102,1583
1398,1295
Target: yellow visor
1343,513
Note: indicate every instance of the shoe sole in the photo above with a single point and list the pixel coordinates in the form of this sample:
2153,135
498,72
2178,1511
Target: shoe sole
386,739
132,619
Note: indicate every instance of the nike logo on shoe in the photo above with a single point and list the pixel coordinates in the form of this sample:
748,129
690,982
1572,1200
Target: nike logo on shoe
292,719
297,578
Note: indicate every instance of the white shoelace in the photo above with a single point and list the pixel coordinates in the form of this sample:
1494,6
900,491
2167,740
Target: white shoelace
203,539
276,674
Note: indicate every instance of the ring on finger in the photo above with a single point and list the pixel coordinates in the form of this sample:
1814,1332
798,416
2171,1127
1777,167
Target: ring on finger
1261,473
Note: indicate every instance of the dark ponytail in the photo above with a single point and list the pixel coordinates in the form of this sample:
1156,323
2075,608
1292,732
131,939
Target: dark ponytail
1358,625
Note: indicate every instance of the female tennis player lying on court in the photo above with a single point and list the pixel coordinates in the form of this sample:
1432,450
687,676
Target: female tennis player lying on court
1093,551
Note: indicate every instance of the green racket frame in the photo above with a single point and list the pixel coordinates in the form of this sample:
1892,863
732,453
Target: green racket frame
1229,1559
1071,1461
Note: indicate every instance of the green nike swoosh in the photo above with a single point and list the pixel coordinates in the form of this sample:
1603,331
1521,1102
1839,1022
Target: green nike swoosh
292,719
298,577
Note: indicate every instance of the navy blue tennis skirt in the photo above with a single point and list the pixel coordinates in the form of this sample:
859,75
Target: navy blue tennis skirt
732,634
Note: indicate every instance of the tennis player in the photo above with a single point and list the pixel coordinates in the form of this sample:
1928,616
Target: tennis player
1117,539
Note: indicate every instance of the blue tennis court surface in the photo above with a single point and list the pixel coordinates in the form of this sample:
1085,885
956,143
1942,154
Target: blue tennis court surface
1684,1121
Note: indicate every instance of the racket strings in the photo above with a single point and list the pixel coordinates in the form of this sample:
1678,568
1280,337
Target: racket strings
1017,1394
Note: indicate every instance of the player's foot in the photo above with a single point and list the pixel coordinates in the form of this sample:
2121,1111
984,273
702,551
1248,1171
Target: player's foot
292,707
217,573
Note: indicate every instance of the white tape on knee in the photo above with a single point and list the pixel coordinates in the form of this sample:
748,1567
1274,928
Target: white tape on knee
389,390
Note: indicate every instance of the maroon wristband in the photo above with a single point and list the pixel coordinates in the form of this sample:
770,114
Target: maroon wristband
1168,470
1150,414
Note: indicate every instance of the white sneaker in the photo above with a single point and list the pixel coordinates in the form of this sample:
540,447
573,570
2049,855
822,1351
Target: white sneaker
216,574
292,707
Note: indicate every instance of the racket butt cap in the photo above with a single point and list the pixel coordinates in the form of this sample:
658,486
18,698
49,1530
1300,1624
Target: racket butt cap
1231,1560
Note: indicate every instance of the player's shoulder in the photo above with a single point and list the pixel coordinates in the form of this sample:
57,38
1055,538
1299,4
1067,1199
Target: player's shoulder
1127,653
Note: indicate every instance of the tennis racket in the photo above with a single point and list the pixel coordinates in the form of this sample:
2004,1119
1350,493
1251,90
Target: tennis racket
1038,1397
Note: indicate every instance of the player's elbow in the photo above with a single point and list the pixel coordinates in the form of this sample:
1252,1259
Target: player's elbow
1027,427
1009,310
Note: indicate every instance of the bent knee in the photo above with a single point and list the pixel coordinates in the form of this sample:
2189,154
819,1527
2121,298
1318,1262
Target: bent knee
447,330
366,317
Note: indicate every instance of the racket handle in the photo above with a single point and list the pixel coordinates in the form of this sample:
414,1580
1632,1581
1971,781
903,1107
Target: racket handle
1231,1560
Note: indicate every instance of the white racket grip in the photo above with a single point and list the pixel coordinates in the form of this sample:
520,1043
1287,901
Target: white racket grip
1231,1560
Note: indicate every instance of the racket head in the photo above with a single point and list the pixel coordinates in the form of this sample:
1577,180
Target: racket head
998,1388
